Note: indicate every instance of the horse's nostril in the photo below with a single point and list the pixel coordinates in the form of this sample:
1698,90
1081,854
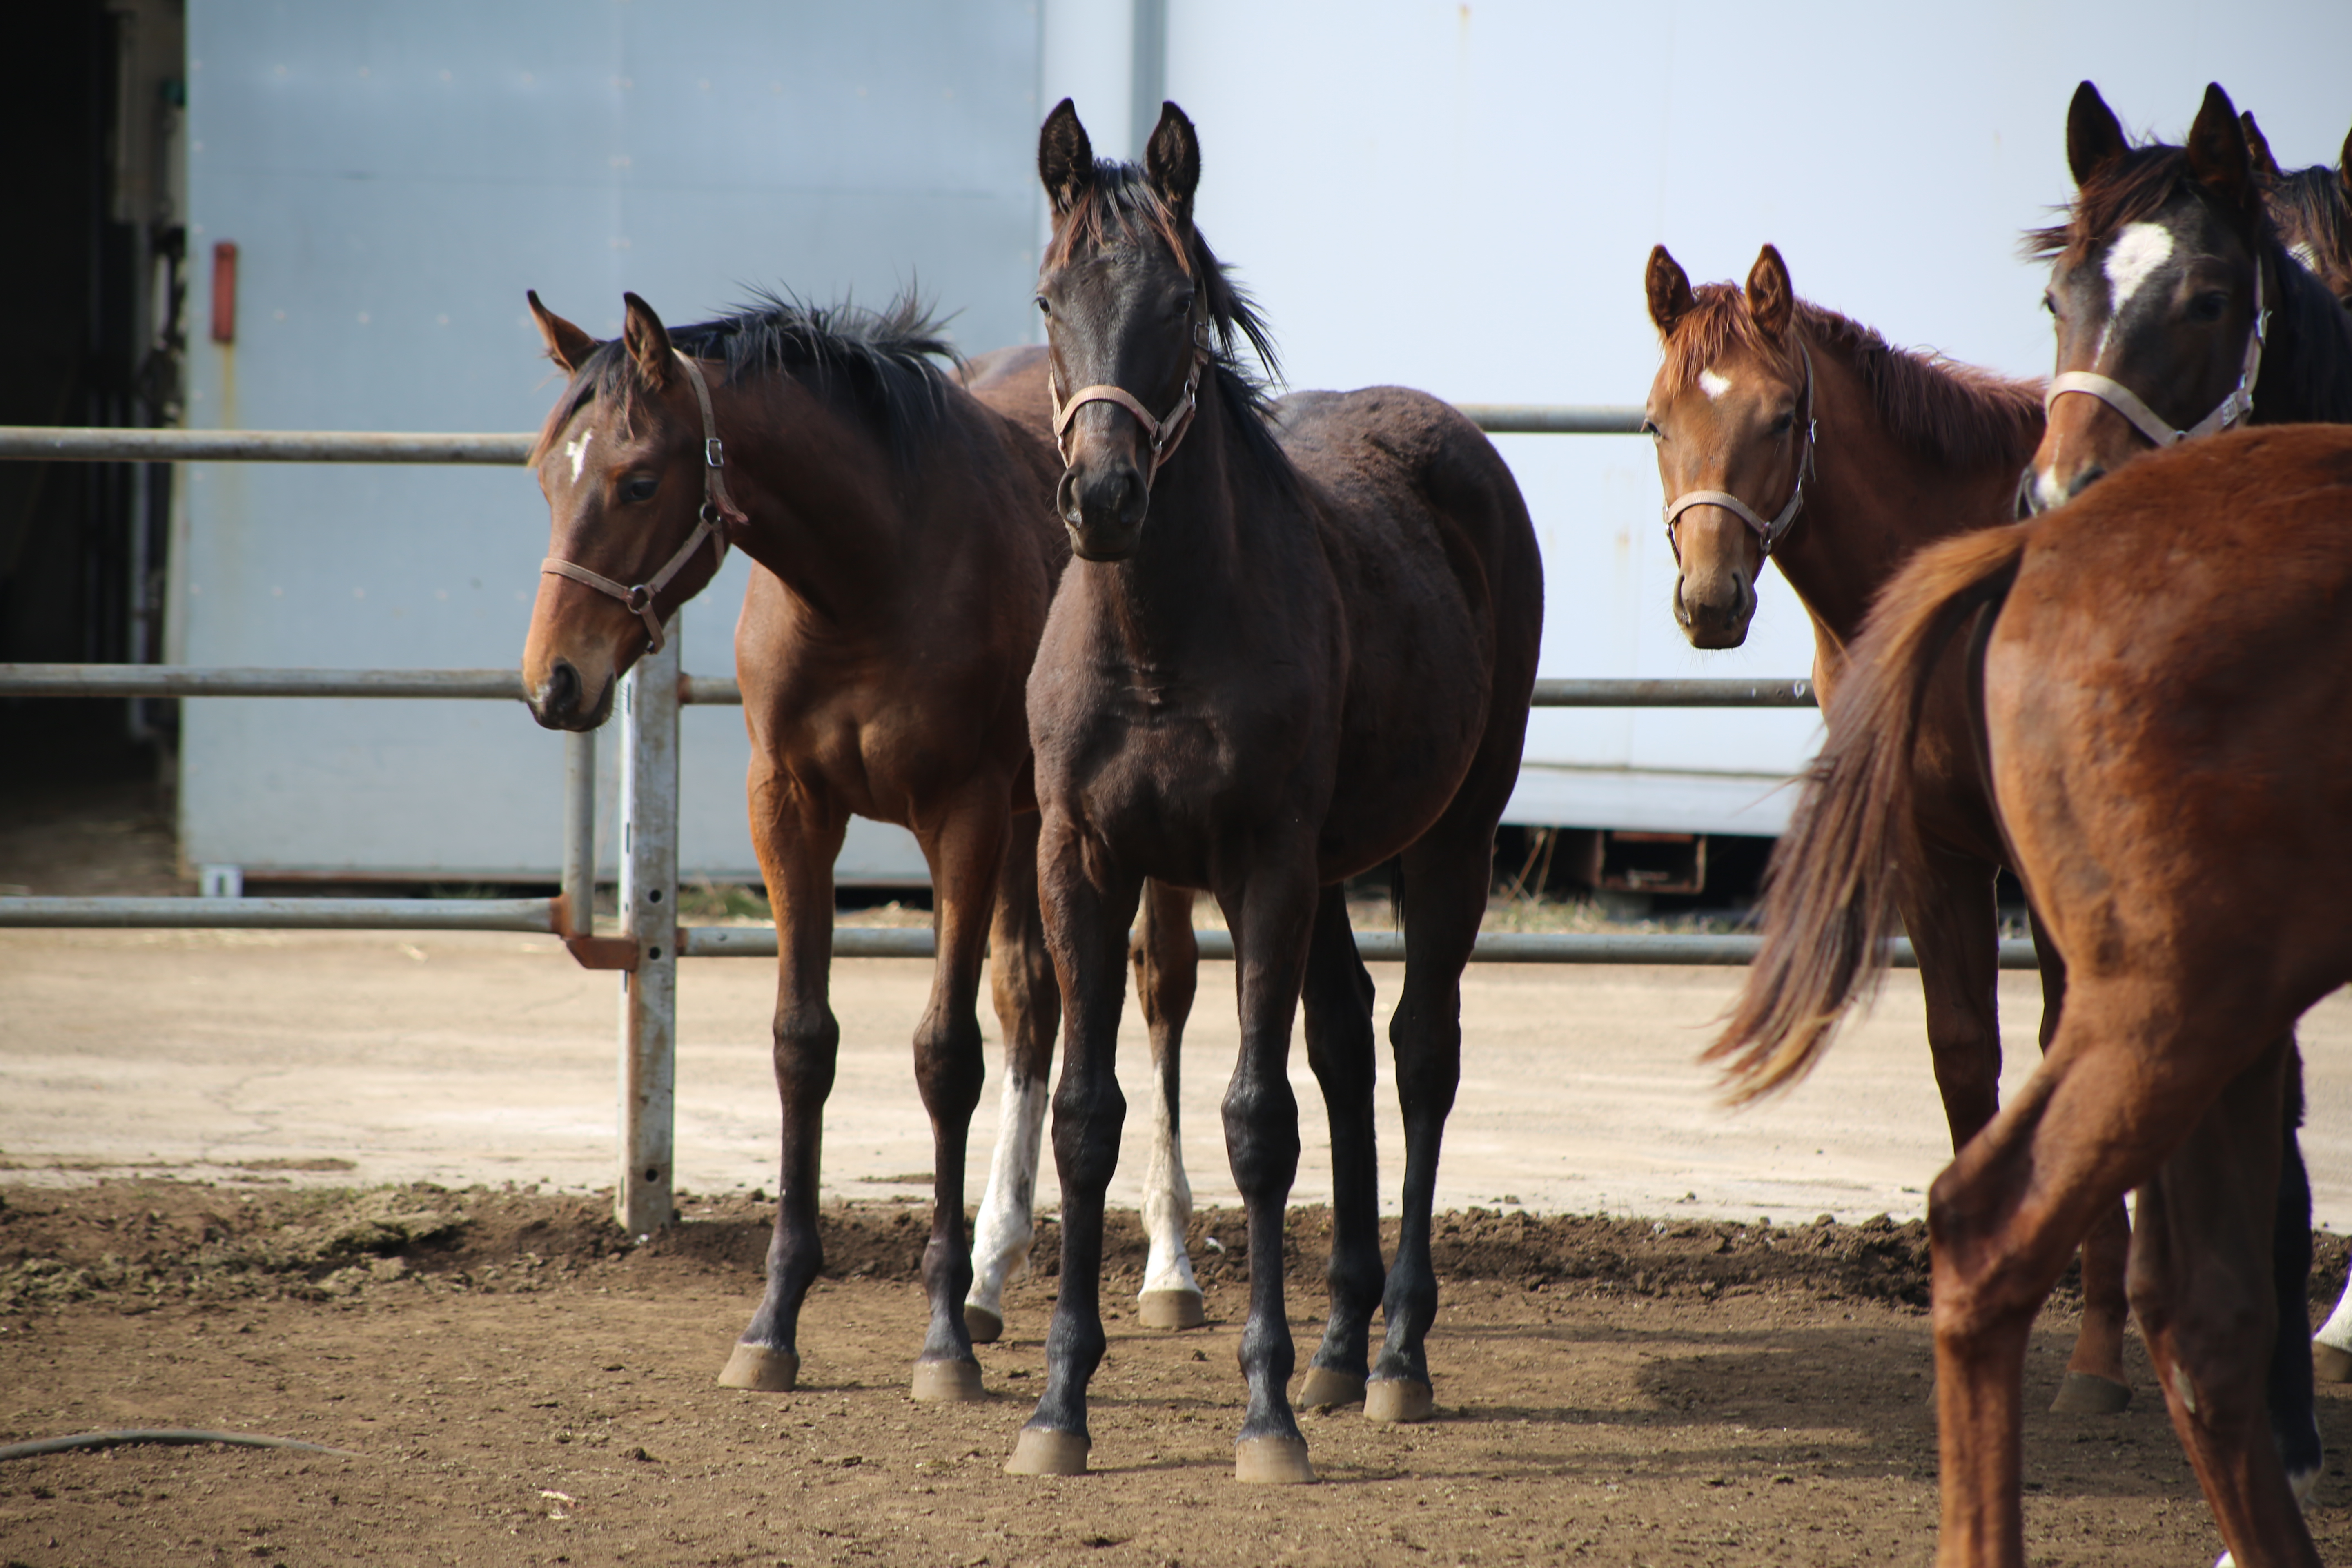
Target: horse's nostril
2084,481
561,697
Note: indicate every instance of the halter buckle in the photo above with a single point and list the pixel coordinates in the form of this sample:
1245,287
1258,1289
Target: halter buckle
714,454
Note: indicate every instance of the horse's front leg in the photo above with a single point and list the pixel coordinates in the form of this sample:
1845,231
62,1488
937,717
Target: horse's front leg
1273,919
1167,958
964,853
797,837
1087,903
1028,1009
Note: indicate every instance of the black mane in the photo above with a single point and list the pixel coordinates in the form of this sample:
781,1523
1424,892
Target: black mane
888,367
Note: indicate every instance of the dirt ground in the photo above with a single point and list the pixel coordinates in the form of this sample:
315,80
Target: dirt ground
516,1382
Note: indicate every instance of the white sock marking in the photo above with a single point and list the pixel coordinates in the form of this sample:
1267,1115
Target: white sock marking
1714,385
1002,1236
2337,1330
1166,1202
578,452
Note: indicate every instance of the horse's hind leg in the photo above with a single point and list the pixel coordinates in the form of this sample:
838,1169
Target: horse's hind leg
1339,1006
2202,1283
796,838
2125,1079
1167,960
2294,1402
965,853
2094,1384
1445,879
1029,1010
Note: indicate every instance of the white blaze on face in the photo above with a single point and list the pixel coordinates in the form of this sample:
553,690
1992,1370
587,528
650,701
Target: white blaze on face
2132,260
578,452
1714,385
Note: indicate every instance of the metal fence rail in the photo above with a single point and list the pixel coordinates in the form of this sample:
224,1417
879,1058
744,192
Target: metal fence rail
650,942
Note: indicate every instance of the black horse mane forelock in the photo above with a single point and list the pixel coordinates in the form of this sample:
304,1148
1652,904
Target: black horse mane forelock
888,366
1119,206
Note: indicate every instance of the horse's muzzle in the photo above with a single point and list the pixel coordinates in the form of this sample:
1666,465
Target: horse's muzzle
558,703
1103,508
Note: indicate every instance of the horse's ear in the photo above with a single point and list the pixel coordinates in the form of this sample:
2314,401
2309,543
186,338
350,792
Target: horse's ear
567,345
2344,169
1065,159
1771,300
2094,137
2258,147
1670,290
2218,153
647,341
1171,162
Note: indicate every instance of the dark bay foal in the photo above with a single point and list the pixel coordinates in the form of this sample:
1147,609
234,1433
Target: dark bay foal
1297,641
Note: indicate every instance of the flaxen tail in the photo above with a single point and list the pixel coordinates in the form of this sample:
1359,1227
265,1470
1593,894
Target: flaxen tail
1830,895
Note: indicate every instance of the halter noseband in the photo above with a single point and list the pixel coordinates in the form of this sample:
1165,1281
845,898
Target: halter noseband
1166,434
2145,420
718,511
1768,533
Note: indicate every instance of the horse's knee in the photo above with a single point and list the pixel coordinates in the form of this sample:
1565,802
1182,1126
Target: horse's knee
1262,1134
1087,1116
806,1047
948,1070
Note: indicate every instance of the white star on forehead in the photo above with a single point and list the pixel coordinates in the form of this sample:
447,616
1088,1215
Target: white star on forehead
1714,385
578,451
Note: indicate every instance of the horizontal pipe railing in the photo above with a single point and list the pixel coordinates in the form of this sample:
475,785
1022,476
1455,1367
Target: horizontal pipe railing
1371,946
114,443
537,915
182,680
70,444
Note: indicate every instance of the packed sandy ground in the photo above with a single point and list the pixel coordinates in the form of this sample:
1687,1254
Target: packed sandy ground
513,1383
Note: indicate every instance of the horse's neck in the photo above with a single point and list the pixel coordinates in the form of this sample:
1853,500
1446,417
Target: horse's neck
2306,374
1184,576
829,516
1873,501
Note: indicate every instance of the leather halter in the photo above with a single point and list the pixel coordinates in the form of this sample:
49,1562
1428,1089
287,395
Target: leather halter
2145,420
1768,533
1166,434
719,512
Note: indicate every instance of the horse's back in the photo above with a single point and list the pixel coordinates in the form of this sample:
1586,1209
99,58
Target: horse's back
2169,701
1441,583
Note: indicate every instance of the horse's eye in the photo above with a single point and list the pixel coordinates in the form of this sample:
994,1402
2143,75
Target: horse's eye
2050,302
1649,429
1784,424
2209,306
639,488
1182,307
1043,307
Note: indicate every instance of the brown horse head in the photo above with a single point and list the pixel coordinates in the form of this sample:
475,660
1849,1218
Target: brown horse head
2153,287
2310,208
620,461
1725,413
1140,323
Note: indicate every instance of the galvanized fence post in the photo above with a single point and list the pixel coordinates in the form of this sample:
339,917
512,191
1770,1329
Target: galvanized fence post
642,1201
580,831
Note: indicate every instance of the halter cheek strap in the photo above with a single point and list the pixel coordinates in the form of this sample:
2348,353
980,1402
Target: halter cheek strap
2238,405
719,514
1767,533
1166,434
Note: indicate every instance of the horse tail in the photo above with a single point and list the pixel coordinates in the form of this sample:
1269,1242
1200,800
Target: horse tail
1830,893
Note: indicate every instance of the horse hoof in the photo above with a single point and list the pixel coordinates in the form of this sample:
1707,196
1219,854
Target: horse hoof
1272,1462
2087,1393
759,1367
1170,1310
1039,1451
1326,1389
948,1381
2329,1364
1399,1399
984,1326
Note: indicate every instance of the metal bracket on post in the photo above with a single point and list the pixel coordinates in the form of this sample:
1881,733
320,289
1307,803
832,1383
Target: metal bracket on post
576,910
642,1202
